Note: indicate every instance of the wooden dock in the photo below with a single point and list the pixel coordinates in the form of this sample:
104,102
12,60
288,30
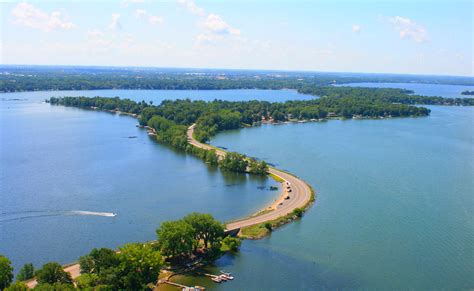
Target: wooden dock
180,286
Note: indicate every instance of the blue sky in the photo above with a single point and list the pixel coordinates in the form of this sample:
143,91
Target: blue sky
419,37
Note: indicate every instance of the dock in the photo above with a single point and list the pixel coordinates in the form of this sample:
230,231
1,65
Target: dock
181,286
223,277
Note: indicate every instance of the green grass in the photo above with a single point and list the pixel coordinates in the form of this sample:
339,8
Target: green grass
224,248
254,232
276,178
259,231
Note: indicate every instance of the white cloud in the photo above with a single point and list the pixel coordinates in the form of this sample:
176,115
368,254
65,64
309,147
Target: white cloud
356,28
115,22
215,29
26,14
140,12
216,24
152,19
409,29
206,39
97,43
95,33
125,3
191,6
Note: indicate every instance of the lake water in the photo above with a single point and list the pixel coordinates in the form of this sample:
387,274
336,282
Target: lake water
451,91
394,204
394,208
159,95
59,164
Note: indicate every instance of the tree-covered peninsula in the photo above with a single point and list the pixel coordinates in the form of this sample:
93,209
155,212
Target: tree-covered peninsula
171,119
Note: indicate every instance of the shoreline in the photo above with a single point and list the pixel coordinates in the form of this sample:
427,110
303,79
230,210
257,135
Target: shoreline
296,194
302,193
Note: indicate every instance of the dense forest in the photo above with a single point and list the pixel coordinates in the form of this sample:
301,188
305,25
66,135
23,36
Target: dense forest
40,78
171,119
389,95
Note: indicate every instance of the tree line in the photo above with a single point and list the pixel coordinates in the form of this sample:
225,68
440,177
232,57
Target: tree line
40,78
133,266
171,118
388,95
467,92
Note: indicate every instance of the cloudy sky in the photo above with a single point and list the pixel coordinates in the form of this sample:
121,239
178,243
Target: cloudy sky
422,37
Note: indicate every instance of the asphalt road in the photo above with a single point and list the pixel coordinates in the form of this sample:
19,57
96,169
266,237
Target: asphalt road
300,193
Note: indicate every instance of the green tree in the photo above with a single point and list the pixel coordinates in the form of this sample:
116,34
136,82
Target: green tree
103,288
54,287
87,281
97,260
26,272
175,238
140,264
298,212
231,243
258,167
211,157
268,226
17,286
229,119
278,116
6,272
52,273
111,277
206,228
234,162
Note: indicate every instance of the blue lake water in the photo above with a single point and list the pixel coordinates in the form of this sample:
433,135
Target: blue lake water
159,95
58,164
451,91
394,207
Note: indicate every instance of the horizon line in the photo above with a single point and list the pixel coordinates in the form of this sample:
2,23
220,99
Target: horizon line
235,69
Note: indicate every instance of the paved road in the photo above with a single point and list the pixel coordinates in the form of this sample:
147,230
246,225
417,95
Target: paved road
300,193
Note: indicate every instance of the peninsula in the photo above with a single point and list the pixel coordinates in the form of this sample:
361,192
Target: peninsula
187,125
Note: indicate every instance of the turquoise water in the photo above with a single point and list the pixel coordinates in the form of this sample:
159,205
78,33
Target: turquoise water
394,209
58,164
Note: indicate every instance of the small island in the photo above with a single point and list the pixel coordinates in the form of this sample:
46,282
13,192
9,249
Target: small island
467,92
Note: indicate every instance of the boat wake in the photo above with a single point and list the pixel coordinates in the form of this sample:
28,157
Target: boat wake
30,214
106,214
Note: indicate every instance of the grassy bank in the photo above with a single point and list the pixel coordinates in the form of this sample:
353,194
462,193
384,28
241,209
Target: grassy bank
261,230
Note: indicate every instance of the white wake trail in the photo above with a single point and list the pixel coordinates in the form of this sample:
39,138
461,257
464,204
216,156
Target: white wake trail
80,212
30,214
